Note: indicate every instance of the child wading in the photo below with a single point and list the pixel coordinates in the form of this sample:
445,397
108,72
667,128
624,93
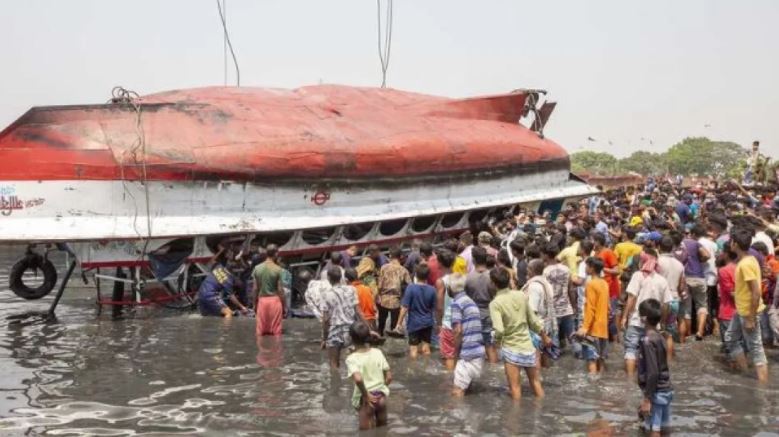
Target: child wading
418,302
371,375
654,378
513,320
595,327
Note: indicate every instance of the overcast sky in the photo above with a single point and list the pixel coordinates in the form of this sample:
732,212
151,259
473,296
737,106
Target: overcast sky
621,70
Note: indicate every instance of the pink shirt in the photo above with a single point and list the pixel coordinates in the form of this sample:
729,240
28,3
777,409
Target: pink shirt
726,281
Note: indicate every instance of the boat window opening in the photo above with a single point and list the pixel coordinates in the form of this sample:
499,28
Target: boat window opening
357,231
213,241
277,238
317,236
179,245
422,224
478,215
451,219
503,212
392,227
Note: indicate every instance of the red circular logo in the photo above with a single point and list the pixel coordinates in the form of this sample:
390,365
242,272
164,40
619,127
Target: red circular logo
320,198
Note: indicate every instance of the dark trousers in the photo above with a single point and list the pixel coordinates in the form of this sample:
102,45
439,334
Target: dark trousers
383,313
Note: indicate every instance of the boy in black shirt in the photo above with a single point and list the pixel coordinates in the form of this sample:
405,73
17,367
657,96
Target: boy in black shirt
654,378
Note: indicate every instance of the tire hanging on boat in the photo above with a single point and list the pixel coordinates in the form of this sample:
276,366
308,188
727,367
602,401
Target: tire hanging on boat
33,262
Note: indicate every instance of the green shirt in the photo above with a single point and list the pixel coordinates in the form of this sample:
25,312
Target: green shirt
371,364
266,276
512,320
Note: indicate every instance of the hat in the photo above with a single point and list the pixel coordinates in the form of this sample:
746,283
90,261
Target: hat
654,236
485,237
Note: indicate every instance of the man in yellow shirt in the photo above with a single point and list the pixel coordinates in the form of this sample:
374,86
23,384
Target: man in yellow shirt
570,255
627,249
749,305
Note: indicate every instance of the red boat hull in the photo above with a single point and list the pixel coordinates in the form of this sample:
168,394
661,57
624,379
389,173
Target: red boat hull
254,134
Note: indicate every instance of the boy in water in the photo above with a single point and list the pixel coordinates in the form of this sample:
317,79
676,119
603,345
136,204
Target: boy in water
418,303
513,319
371,374
654,378
596,316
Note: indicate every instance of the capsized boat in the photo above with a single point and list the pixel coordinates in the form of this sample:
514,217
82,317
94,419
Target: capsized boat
312,169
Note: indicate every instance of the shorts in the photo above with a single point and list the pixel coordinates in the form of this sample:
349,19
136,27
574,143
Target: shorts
486,330
467,371
696,293
423,335
613,322
565,326
659,417
596,349
339,337
378,394
632,337
519,359
754,341
446,343
672,323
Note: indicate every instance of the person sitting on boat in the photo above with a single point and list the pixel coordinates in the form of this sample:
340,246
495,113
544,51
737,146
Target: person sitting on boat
217,289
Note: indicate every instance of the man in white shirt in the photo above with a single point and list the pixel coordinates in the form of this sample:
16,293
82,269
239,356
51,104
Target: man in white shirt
644,284
673,271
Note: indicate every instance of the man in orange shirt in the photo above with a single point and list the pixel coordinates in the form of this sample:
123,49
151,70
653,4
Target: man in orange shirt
595,328
365,301
611,272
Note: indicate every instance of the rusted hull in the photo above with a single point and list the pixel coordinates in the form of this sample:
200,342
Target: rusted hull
226,160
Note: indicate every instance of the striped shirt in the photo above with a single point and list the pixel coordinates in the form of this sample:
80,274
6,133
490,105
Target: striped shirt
466,313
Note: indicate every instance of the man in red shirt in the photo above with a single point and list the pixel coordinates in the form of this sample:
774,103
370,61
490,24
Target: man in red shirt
611,274
426,250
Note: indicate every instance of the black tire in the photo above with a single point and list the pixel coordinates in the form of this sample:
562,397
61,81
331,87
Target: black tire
32,262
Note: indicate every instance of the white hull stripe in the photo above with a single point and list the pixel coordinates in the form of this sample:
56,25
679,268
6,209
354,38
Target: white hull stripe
106,210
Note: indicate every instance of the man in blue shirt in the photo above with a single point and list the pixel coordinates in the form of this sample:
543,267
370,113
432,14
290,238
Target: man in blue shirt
418,302
468,340
217,287
683,209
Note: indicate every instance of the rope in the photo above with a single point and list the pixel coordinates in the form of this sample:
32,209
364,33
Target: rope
384,51
224,42
229,44
122,96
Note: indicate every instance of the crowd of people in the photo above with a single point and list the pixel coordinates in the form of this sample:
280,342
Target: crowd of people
635,270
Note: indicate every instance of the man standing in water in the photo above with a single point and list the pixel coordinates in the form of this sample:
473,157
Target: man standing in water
269,289
644,284
513,320
478,287
749,305
393,278
339,311
468,340
444,310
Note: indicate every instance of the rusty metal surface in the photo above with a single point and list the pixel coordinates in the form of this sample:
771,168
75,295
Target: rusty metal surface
255,134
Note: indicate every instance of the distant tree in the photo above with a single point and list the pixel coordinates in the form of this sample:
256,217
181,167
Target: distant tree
704,157
644,163
594,162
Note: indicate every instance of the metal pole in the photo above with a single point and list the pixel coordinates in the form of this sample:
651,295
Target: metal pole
61,290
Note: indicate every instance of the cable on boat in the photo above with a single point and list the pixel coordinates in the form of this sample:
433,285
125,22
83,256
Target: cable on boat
121,95
229,44
384,50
